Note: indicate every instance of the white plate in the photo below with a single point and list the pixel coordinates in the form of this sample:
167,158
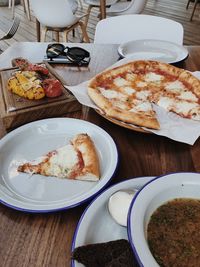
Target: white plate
96,225
163,51
37,193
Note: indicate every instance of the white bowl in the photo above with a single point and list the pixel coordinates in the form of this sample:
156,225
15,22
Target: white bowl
148,199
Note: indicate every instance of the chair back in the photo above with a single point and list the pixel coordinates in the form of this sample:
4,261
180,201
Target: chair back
12,30
137,27
53,13
134,7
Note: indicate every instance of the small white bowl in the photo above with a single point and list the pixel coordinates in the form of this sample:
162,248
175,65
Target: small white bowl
152,195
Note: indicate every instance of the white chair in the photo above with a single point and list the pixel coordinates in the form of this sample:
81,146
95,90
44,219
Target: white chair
11,4
26,5
74,5
126,7
12,30
194,8
96,3
80,3
137,27
57,16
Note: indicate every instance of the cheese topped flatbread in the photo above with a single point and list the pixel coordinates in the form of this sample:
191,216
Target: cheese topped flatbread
127,92
77,160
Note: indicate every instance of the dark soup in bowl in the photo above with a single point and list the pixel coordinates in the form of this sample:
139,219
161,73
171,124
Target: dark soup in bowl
173,233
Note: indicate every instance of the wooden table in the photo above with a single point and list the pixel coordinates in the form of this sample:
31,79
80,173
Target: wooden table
45,239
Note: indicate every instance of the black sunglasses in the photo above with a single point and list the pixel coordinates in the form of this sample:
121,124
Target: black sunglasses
76,55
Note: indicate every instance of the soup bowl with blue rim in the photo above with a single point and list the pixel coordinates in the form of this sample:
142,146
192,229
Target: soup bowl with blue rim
163,190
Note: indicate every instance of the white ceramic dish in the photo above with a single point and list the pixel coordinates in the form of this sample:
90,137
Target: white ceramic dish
163,51
96,224
148,199
37,193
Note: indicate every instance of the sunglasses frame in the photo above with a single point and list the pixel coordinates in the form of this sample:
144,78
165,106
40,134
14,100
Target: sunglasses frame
55,50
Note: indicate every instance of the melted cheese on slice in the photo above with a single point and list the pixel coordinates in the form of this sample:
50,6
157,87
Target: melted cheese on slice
165,102
195,114
143,95
38,160
63,161
187,95
153,77
180,107
143,106
175,87
110,94
185,107
141,84
131,77
120,104
129,90
119,81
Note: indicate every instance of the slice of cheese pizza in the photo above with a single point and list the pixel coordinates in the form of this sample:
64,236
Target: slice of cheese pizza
77,160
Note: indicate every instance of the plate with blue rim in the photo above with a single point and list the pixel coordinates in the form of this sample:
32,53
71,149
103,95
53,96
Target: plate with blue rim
96,224
37,193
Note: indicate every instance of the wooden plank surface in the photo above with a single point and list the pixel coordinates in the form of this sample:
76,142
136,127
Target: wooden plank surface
174,9
37,240
14,102
98,52
16,111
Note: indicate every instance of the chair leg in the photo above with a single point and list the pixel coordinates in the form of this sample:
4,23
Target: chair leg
13,8
65,36
23,3
27,8
38,30
9,3
84,32
188,4
87,17
195,5
43,34
57,36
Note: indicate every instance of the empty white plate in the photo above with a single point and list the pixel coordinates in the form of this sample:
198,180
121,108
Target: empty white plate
38,193
163,51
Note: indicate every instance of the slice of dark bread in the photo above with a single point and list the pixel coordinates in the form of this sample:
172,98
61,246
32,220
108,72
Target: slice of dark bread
116,253
124,260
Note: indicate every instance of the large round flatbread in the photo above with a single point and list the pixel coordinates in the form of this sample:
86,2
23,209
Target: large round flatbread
127,92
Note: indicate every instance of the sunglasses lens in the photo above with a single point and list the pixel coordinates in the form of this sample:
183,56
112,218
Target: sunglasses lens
54,50
77,54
